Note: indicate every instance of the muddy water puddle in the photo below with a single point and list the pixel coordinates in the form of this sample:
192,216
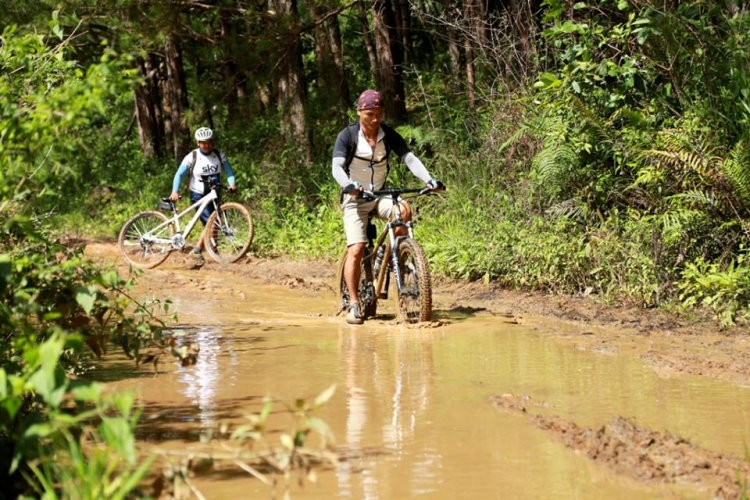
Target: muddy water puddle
412,410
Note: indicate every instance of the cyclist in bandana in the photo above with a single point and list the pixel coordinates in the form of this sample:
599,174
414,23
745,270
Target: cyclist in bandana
360,161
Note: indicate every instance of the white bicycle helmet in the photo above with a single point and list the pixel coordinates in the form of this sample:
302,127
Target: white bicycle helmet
204,134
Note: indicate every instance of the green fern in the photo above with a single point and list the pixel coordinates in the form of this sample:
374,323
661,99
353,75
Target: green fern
602,130
552,164
675,222
517,135
573,208
698,197
682,160
736,169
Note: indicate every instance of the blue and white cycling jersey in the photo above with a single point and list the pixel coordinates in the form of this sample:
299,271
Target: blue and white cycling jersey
205,164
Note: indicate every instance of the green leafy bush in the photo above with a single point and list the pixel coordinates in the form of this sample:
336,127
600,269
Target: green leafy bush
724,290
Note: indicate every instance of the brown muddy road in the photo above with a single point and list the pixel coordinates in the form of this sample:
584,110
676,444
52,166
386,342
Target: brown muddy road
490,403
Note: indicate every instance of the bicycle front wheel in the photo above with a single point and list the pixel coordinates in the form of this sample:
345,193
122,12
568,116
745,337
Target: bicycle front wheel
415,296
228,233
137,239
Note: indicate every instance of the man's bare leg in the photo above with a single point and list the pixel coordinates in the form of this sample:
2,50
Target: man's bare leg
352,271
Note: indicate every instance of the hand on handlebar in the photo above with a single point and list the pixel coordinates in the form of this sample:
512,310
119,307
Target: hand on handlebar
435,185
353,188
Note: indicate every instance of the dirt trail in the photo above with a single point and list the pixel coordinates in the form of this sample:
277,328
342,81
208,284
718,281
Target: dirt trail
669,343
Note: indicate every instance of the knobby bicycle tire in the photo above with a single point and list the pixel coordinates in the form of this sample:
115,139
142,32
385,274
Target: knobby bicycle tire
229,242
138,252
415,298
365,289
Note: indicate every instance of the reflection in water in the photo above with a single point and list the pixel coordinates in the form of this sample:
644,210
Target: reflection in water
202,379
405,379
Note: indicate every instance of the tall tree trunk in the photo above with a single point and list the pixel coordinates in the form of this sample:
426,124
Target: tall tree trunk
241,89
342,85
263,96
522,18
147,100
209,116
451,28
145,123
177,96
323,56
481,23
403,23
166,106
153,69
291,83
389,59
229,68
469,17
369,44
329,55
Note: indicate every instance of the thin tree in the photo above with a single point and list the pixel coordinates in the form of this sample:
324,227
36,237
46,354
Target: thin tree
290,78
389,60
148,110
470,19
177,96
369,43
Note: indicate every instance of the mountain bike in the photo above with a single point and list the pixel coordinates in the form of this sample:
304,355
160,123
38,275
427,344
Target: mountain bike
405,260
147,239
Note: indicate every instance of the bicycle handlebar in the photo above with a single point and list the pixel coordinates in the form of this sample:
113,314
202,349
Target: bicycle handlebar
223,187
398,191
373,195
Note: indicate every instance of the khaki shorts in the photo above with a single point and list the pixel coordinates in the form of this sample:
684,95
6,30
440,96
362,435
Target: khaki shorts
356,214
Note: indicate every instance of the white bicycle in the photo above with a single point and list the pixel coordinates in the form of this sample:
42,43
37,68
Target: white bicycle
147,239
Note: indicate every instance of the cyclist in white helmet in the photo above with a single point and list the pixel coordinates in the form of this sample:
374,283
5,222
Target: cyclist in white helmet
202,162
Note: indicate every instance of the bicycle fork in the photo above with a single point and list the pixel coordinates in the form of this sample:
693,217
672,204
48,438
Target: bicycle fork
382,276
394,240
218,212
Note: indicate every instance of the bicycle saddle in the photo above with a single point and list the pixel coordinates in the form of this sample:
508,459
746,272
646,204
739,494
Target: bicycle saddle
166,204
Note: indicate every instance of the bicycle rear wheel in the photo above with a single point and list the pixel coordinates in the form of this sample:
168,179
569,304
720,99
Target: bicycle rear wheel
228,233
415,297
136,240
366,288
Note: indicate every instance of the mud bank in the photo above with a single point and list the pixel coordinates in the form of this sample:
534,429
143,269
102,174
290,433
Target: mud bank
644,455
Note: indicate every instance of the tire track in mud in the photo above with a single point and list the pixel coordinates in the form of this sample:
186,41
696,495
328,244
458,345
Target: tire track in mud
641,454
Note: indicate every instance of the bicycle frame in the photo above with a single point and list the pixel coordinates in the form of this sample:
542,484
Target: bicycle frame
202,203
